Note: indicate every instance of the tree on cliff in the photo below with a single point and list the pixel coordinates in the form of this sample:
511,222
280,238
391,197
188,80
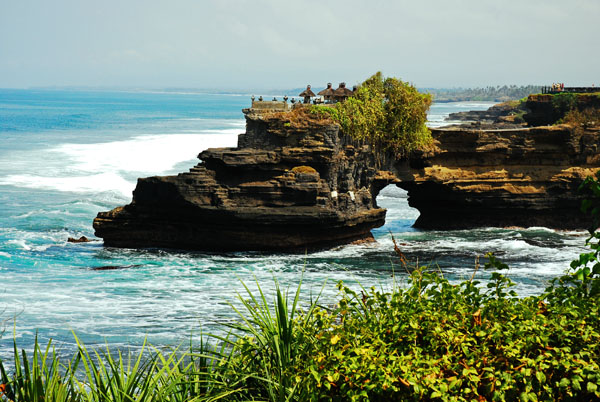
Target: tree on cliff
386,113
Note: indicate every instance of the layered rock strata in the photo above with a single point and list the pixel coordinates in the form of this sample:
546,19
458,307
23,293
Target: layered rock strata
288,185
504,177
295,182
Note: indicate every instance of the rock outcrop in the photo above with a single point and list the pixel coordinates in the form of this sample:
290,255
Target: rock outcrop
548,109
503,115
493,114
295,182
82,239
504,177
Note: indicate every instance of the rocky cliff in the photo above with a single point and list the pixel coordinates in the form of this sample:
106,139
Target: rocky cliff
548,109
295,182
504,177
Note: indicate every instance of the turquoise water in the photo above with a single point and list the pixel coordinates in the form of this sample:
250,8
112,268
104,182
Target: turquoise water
65,155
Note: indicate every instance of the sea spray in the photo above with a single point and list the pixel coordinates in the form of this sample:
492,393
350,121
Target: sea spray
56,173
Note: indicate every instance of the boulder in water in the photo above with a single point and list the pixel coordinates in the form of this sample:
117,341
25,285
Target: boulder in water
82,239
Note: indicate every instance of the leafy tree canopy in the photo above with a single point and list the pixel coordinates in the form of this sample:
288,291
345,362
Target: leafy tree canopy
387,113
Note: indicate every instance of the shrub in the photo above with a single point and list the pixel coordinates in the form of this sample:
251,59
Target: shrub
584,119
325,111
43,378
386,113
562,103
438,341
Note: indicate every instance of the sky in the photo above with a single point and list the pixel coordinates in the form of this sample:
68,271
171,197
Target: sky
266,44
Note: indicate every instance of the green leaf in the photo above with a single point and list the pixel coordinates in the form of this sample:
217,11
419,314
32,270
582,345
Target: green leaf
540,377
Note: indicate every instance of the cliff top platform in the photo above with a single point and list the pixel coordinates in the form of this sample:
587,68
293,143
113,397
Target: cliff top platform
575,90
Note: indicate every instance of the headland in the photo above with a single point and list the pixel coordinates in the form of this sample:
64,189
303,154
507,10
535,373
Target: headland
297,181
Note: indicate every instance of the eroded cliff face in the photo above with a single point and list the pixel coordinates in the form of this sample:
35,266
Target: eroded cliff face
545,109
514,177
295,182
290,184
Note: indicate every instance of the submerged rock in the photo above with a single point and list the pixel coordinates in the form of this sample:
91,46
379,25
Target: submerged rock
295,182
114,267
82,239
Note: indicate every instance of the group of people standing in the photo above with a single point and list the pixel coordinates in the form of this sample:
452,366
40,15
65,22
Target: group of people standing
558,87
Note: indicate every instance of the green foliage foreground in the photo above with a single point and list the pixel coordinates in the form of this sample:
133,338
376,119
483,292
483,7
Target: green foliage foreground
429,340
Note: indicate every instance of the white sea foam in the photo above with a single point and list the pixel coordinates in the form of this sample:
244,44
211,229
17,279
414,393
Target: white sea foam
165,295
144,154
35,241
473,105
94,183
112,166
21,243
221,122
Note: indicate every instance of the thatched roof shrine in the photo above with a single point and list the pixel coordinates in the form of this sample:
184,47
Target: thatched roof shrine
307,92
342,92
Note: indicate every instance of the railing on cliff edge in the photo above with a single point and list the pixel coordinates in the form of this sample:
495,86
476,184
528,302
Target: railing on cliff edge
577,90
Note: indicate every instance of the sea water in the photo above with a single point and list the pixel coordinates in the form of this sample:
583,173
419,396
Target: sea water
66,155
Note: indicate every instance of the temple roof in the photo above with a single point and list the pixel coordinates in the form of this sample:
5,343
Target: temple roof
329,91
307,92
342,90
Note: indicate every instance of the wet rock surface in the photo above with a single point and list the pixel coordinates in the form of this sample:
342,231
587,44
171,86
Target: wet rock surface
287,186
503,115
504,177
296,183
81,239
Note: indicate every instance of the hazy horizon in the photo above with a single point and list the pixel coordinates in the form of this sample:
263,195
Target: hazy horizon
268,45
209,90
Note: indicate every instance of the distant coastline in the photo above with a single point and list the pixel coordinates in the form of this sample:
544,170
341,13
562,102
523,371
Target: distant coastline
489,94
441,95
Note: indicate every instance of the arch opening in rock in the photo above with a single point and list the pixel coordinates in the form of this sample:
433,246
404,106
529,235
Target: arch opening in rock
298,185
400,217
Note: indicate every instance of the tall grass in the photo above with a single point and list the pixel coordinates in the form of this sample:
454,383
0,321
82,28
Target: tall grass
255,361
119,378
268,340
43,378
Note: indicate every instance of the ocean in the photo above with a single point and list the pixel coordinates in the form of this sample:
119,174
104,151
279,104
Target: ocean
65,155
